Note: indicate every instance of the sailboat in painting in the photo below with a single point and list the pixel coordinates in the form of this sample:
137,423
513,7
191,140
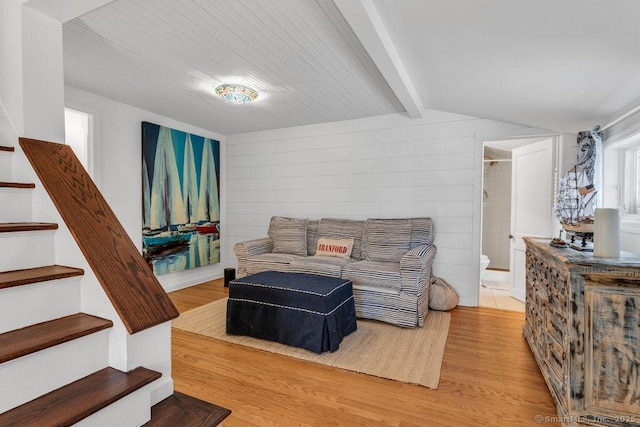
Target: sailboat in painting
146,196
208,202
166,206
189,187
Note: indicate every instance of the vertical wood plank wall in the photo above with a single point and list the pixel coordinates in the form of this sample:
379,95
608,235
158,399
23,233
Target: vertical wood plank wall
390,166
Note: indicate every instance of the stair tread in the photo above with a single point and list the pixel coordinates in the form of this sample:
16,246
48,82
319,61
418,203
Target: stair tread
7,227
4,184
79,399
5,148
182,410
27,276
30,339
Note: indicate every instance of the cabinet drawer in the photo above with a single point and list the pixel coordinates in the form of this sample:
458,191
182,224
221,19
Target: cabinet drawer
558,296
556,326
557,387
555,356
558,283
556,362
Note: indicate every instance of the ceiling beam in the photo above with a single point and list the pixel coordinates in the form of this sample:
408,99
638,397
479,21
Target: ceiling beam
366,23
65,10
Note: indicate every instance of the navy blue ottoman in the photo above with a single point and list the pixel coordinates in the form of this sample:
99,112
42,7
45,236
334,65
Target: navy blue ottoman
303,310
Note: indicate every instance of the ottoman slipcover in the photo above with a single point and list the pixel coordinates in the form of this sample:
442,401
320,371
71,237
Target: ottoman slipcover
303,310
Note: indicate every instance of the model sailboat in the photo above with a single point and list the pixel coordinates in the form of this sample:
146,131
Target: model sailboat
577,195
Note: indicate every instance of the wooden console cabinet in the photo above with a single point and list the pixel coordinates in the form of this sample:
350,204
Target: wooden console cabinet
583,326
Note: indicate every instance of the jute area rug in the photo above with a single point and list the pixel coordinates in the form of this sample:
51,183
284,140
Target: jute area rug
408,355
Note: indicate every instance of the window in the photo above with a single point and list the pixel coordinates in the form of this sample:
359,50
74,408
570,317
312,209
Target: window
78,135
631,183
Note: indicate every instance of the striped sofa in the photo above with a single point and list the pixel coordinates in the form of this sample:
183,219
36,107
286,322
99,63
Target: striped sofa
389,264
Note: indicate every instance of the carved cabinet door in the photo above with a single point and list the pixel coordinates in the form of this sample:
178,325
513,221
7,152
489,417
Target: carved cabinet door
612,359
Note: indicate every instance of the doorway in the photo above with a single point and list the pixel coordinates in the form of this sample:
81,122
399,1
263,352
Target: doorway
507,181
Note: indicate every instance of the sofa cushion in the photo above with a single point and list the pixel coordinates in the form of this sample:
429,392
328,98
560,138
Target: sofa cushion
332,228
421,232
290,236
386,240
325,266
442,296
269,262
335,247
312,231
374,273
271,232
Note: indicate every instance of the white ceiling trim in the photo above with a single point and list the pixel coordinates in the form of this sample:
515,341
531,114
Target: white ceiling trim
365,21
65,10
625,113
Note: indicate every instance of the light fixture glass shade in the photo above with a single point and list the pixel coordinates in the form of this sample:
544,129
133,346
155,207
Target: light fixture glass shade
236,94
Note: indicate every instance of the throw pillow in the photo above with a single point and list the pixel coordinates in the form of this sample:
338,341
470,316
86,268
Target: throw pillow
386,240
290,236
442,296
331,228
333,247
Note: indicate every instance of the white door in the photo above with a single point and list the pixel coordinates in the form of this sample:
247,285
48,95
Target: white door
531,204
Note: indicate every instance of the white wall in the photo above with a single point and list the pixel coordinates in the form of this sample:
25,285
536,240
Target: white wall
389,166
117,154
43,76
11,99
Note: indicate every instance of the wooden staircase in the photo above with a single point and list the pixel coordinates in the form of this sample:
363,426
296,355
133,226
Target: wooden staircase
54,357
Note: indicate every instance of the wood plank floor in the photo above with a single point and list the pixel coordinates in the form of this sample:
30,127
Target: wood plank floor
489,377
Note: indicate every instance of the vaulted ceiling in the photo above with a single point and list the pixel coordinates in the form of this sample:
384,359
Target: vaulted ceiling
563,65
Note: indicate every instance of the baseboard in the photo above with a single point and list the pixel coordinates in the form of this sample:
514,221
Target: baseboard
467,302
495,275
518,294
184,279
12,131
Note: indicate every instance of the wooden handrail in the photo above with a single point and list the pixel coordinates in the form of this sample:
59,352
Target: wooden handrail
134,291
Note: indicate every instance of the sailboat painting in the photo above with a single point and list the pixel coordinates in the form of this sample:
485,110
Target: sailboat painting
181,203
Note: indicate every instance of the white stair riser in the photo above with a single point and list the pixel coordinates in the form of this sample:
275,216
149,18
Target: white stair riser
6,162
44,371
26,305
132,410
16,204
27,249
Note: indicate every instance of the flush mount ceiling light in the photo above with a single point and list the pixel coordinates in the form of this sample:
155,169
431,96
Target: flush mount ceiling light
236,94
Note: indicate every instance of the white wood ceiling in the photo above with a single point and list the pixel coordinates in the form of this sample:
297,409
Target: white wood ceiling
167,56
563,65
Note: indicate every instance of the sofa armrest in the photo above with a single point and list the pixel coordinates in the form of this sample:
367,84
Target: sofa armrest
250,248
415,269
